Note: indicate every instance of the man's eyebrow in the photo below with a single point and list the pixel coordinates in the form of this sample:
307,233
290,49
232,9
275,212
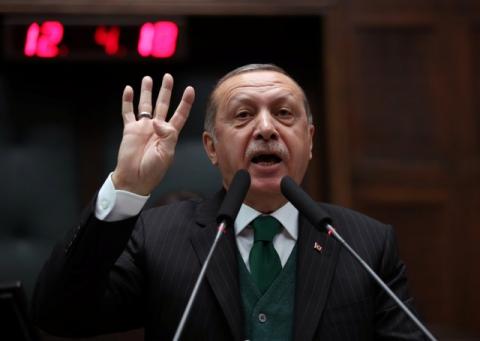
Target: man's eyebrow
287,95
288,98
239,98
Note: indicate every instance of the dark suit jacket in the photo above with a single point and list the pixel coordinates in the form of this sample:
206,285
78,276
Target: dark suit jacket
107,277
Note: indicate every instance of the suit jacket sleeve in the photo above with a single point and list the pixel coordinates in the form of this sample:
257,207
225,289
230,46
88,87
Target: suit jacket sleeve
390,321
78,294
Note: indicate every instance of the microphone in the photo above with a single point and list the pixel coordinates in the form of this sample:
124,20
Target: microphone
320,219
302,201
225,218
234,198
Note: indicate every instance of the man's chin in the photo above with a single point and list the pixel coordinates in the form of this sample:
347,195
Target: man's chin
265,186
264,195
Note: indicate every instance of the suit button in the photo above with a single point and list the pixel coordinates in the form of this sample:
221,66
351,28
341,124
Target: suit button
262,318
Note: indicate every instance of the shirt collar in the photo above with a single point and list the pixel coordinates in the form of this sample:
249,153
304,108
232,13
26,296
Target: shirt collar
287,215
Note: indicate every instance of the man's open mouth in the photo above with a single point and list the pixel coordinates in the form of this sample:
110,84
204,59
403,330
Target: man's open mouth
266,159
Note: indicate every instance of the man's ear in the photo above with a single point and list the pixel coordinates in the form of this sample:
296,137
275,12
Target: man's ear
209,145
311,132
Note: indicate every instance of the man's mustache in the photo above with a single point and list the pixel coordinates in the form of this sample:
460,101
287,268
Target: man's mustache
260,147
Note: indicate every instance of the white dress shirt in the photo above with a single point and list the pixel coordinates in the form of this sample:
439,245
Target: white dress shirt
283,242
114,205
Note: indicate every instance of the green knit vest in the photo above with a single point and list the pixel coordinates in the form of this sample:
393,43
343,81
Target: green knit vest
269,316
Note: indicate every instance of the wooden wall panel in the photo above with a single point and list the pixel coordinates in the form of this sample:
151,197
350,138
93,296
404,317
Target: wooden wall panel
467,172
467,237
475,58
422,231
403,109
391,88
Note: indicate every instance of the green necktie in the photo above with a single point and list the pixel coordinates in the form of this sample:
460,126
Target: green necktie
264,262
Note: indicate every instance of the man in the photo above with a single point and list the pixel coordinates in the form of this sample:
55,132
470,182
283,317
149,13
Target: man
122,268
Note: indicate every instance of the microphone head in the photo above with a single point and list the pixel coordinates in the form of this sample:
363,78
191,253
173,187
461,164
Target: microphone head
304,203
234,197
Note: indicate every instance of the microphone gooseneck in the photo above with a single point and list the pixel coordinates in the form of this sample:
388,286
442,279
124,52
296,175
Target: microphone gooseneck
225,218
320,219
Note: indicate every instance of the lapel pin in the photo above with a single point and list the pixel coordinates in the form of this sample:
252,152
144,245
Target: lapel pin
318,247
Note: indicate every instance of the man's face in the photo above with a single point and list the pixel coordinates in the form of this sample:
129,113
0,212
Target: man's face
261,125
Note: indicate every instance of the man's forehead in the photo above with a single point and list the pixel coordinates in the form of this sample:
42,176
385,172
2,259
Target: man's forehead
258,81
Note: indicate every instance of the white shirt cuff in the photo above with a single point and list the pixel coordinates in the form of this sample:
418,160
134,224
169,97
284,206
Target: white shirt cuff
114,205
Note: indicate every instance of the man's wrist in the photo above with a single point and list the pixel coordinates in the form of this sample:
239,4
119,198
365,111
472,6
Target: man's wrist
122,185
117,204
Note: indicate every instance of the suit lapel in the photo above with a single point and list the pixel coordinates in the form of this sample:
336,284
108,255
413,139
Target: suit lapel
222,272
315,270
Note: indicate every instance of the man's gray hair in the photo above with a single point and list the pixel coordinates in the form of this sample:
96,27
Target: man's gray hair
212,105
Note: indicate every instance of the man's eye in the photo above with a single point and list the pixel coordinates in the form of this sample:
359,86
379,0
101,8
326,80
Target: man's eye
284,112
242,114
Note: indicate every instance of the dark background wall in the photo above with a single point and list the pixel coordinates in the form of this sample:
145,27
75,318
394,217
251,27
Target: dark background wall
394,86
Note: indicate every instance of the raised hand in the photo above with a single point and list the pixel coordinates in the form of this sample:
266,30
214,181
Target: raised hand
148,142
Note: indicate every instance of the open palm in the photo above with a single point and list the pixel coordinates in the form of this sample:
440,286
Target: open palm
148,144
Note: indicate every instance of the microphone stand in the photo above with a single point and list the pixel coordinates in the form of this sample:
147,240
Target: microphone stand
407,311
302,201
221,230
226,216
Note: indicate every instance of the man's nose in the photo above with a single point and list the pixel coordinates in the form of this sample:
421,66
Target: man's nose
266,128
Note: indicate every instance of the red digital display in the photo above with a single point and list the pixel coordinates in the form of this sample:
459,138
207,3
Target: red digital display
108,37
42,39
67,38
158,39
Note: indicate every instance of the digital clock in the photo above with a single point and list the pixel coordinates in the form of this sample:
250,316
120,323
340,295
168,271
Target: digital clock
80,38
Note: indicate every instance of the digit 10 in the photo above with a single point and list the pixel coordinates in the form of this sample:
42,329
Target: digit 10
158,39
42,40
